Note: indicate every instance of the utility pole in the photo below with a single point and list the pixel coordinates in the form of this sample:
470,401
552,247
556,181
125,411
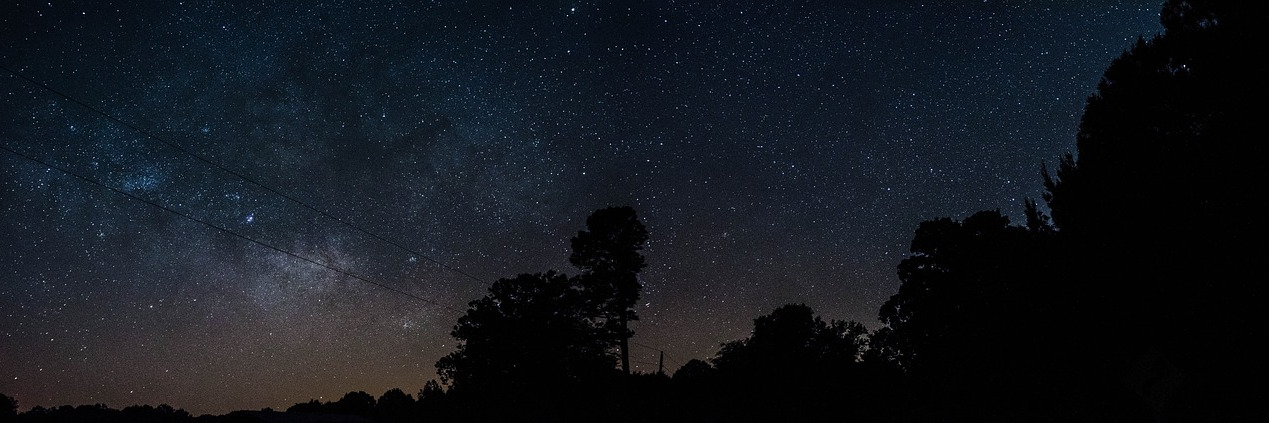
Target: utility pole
661,364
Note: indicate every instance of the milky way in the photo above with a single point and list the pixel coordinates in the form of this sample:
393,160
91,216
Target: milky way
777,153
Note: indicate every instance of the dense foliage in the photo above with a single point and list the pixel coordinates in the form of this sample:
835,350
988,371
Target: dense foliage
530,331
607,253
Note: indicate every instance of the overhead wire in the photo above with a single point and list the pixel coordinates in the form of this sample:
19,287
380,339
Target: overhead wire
216,165
252,181
265,244
226,230
639,344
670,363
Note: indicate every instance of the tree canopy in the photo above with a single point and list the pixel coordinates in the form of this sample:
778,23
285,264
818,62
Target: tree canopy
962,289
607,253
793,342
1096,313
794,366
530,331
8,406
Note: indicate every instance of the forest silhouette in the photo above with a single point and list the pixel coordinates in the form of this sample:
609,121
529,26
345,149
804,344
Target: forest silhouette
1128,295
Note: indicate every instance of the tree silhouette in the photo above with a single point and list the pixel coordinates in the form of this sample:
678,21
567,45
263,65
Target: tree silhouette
312,406
1094,311
434,403
358,403
8,407
1165,186
431,391
163,413
792,342
95,413
394,406
694,369
607,252
793,367
979,317
960,287
530,332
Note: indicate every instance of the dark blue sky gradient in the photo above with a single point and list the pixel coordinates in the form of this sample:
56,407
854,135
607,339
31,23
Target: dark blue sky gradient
777,153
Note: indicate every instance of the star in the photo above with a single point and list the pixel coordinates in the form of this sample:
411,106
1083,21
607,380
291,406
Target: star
499,130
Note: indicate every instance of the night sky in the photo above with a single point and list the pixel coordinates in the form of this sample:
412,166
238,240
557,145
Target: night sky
777,153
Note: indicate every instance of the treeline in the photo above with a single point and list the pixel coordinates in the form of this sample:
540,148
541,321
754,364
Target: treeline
91,413
1133,293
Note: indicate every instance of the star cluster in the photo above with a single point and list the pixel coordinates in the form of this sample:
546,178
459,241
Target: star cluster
778,152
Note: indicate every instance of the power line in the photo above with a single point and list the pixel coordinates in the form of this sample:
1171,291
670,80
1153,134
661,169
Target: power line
669,361
227,230
252,181
209,162
638,344
258,242
261,243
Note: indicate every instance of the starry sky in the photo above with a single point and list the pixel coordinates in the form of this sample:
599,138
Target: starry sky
778,152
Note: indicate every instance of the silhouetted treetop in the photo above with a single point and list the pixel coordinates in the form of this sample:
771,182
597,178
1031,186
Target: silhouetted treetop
8,406
792,341
312,406
1167,180
611,242
100,413
394,406
1167,137
965,286
607,252
694,370
431,390
533,329
357,403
